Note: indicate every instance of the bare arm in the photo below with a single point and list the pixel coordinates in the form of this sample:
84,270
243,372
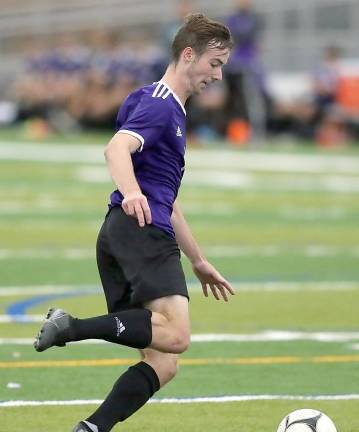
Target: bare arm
184,237
118,158
205,272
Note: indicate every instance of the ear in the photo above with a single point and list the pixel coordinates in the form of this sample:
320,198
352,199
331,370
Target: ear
188,54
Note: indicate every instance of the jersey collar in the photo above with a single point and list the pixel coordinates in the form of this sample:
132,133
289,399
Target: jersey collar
173,94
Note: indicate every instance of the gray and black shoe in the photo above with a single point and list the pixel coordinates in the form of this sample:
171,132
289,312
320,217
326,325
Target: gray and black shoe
82,427
54,331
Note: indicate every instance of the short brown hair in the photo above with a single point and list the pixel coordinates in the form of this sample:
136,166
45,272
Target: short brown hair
199,33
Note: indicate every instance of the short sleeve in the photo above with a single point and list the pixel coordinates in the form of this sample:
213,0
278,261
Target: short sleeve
148,120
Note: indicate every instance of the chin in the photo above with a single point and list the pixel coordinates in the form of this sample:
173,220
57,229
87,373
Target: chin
199,89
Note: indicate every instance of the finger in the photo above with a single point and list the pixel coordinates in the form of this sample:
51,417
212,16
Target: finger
223,292
130,209
147,212
205,289
228,286
214,292
125,207
225,289
139,214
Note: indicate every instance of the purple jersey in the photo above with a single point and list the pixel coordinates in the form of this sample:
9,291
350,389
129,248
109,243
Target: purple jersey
156,116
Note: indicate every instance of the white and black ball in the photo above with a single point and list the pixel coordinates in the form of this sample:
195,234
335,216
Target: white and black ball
306,420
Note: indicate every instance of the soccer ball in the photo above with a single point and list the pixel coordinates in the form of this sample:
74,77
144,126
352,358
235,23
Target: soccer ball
306,420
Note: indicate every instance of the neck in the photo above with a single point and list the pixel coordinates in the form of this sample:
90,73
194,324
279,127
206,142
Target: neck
177,80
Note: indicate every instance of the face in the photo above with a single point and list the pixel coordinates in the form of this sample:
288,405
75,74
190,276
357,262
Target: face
244,4
206,68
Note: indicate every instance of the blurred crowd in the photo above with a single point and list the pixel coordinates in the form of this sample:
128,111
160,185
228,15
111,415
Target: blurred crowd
78,83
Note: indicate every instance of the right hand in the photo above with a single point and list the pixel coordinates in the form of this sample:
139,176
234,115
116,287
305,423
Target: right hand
135,204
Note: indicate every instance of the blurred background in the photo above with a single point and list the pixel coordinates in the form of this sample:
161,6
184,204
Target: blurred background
270,192
294,72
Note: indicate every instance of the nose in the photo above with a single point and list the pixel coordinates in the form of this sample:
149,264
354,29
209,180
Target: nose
218,75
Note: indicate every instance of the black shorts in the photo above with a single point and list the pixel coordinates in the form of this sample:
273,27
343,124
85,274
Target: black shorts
137,264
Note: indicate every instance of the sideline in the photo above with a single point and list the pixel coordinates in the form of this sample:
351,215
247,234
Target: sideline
264,336
245,286
223,158
221,399
271,250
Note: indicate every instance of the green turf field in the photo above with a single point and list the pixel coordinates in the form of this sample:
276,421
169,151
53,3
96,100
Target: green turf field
281,224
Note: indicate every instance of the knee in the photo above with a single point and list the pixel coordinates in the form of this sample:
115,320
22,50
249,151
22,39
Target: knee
170,368
181,341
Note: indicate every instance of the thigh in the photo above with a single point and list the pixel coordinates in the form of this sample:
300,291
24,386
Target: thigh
149,258
116,288
174,308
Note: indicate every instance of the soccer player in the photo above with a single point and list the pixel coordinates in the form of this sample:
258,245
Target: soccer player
138,245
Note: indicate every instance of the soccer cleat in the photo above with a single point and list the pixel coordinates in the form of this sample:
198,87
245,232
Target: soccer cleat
82,427
54,331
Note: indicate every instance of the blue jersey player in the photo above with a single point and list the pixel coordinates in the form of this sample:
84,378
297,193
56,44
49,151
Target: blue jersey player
138,247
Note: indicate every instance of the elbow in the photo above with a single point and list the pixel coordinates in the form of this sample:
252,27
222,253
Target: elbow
173,215
108,151
119,146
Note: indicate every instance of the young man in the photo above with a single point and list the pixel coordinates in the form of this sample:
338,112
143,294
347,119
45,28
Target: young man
138,245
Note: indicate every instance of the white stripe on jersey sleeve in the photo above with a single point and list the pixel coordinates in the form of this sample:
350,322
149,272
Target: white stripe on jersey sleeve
159,85
134,134
166,94
160,93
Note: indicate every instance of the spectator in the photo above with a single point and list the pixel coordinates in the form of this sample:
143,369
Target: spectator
246,27
74,84
325,80
329,123
183,8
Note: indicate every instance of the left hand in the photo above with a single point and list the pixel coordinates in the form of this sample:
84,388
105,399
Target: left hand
211,278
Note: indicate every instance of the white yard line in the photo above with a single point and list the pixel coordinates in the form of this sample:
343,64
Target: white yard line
238,179
224,251
220,399
313,213
5,319
44,289
219,168
52,152
224,158
264,336
193,286
278,336
276,162
44,253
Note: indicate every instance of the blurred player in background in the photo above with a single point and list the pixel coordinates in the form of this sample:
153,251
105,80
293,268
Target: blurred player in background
330,121
183,9
138,248
246,27
325,79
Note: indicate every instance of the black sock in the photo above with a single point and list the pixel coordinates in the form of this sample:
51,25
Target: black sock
131,327
130,392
